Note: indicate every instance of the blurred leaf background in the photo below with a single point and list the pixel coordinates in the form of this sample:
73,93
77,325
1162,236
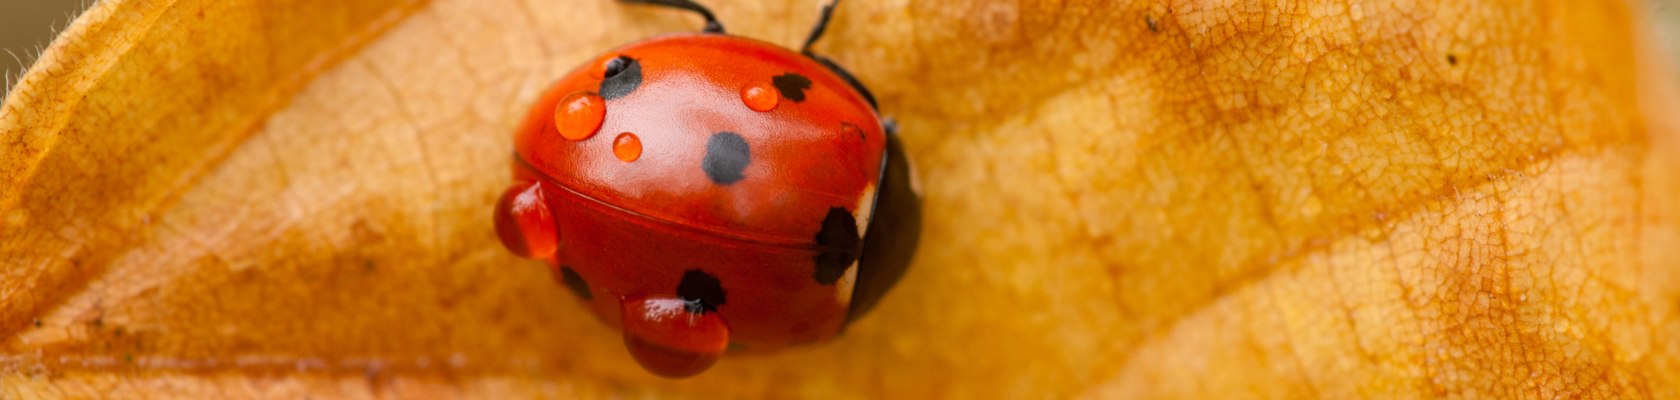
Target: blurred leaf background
27,26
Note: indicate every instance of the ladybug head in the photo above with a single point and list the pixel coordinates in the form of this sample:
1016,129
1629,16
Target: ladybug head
890,241
713,26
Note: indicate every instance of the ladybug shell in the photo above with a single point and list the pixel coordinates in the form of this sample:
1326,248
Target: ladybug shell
757,214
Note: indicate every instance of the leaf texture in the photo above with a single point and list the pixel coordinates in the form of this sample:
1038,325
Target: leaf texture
1173,199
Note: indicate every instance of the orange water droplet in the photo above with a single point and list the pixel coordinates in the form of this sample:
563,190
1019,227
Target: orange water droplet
668,338
852,144
524,223
627,147
760,97
579,115
848,131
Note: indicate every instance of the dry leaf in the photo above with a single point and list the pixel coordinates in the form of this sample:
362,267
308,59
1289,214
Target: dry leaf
1163,199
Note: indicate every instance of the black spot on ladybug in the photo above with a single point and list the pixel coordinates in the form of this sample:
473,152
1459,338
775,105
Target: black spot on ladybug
703,291
622,76
839,239
726,158
792,85
575,282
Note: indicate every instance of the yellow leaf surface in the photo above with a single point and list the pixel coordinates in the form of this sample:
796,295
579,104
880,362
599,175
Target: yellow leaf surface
1123,199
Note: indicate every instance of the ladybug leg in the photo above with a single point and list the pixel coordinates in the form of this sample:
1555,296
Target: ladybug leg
524,222
672,336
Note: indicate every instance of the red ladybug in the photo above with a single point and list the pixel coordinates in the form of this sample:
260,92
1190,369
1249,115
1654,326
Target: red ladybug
707,192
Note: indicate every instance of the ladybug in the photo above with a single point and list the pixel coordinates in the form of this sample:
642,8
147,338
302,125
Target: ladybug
711,194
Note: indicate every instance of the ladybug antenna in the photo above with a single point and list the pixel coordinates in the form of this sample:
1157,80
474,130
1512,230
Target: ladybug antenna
712,25
816,33
822,25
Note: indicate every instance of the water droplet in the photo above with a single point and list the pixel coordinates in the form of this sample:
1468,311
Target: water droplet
627,147
524,223
579,115
847,131
760,97
669,339
853,146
